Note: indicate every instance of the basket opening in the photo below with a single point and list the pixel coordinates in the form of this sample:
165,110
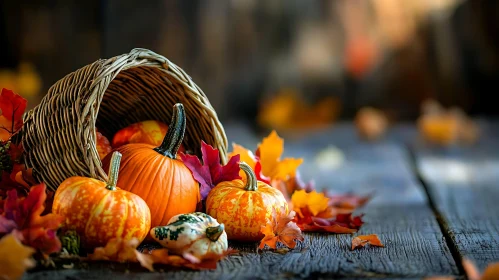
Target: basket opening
148,93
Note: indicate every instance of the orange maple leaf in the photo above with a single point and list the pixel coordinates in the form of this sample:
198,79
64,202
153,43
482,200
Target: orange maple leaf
15,258
281,229
269,152
362,240
245,155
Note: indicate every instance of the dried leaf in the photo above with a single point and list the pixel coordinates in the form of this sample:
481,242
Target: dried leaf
281,229
117,249
491,272
363,240
313,201
371,123
347,202
472,273
15,258
269,153
471,270
36,231
121,250
211,172
315,213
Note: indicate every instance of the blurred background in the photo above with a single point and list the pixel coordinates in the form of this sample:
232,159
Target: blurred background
280,63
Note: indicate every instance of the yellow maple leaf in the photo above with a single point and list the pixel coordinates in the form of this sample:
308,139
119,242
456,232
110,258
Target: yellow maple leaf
246,155
269,152
314,201
15,258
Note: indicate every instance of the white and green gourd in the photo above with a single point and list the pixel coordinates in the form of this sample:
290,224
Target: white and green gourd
195,233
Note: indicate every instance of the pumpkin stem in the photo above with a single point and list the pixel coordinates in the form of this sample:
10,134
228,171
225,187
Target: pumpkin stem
251,181
213,233
114,167
175,135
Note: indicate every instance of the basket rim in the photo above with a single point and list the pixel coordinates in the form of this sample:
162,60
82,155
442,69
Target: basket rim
90,97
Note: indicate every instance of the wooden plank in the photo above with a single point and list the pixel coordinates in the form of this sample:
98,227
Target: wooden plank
398,213
462,184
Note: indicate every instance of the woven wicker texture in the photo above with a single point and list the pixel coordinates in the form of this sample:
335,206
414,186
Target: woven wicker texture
59,134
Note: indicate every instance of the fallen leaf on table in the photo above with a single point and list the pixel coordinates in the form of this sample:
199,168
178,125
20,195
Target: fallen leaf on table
15,258
121,250
211,172
117,249
346,202
269,153
313,201
289,186
472,273
35,230
315,213
371,123
443,126
362,240
491,272
281,229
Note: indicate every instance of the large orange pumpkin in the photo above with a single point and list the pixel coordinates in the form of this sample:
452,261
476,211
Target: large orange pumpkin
244,207
100,211
155,174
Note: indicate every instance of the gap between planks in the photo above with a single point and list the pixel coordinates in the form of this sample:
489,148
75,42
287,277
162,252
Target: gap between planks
444,227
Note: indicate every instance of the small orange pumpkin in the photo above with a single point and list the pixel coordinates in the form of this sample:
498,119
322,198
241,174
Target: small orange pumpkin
244,207
100,211
155,174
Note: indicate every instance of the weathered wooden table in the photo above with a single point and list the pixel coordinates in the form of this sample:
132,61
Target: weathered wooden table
431,207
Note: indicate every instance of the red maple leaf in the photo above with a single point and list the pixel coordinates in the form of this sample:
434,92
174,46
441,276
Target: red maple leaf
13,107
211,172
34,230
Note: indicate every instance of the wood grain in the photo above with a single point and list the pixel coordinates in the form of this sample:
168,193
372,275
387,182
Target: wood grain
462,183
399,213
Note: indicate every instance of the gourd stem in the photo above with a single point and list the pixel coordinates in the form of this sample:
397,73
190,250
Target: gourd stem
213,233
251,181
176,130
114,168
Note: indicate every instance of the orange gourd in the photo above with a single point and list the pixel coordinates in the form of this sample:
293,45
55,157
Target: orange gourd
100,211
244,207
155,174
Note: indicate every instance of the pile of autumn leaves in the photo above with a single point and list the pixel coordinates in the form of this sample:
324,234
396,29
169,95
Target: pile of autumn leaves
28,227
311,210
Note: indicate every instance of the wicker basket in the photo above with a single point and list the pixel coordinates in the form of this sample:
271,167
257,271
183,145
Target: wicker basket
58,135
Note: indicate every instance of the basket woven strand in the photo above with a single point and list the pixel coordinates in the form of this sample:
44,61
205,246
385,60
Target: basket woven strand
58,135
